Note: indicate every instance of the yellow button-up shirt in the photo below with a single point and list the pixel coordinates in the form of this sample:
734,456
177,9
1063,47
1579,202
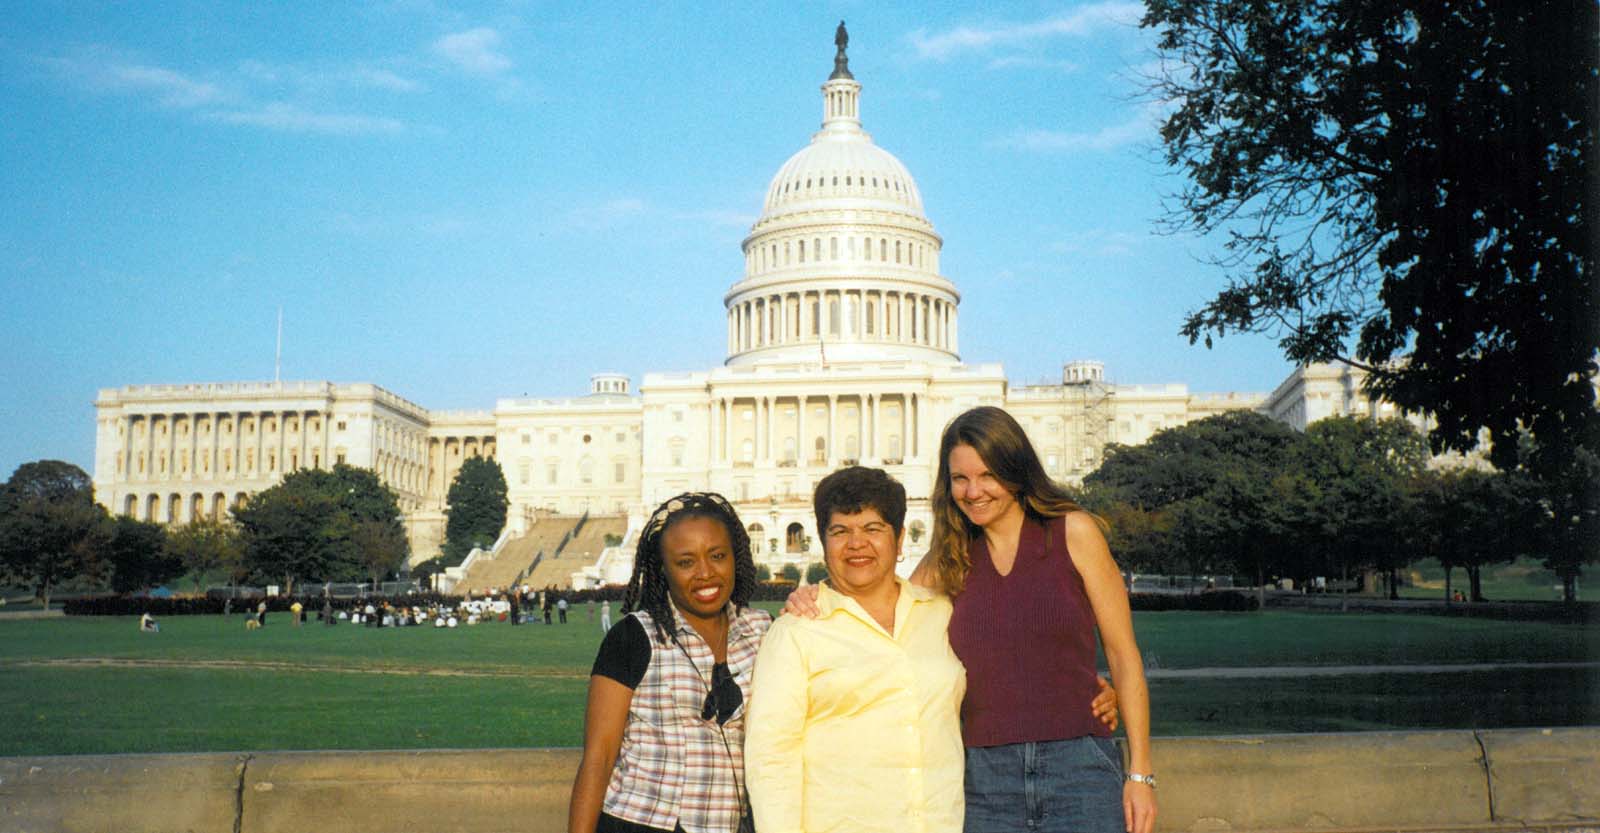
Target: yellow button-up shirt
852,728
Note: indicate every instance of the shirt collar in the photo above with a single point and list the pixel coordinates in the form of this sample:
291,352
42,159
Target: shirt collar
830,600
738,621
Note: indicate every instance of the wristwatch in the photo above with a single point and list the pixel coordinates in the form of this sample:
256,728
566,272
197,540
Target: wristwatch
1143,779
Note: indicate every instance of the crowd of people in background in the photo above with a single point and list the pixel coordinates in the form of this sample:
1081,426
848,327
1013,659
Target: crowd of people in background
511,605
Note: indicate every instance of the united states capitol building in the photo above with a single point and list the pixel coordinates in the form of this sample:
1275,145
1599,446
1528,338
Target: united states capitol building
843,346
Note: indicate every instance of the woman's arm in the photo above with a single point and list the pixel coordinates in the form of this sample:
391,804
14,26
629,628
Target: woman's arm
1103,583
603,722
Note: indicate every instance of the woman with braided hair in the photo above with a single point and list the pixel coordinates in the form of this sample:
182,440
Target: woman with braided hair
663,737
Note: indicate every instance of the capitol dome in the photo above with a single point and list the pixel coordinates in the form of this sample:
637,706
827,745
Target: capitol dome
843,264
842,167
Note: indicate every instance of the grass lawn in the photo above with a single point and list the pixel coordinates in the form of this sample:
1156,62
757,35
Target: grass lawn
1524,579
349,687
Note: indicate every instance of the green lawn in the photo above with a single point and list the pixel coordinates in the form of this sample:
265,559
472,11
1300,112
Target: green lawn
349,687
1522,580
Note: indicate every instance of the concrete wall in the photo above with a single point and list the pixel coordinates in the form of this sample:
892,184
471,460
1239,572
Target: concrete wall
1518,779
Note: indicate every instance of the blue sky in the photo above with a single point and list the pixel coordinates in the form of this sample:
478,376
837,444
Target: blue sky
461,202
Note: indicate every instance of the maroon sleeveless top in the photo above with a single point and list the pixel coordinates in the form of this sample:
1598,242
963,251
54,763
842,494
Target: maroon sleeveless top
1028,642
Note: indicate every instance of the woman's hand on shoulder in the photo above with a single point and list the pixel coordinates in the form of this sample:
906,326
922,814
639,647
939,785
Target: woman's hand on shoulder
803,603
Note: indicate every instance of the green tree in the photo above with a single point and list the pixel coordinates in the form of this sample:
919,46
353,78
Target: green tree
205,546
1570,498
1197,497
382,547
51,530
476,508
815,572
138,557
305,527
789,573
1414,176
1352,503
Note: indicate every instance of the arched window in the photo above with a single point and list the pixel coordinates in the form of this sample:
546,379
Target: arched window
758,539
821,451
794,538
833,317
789,449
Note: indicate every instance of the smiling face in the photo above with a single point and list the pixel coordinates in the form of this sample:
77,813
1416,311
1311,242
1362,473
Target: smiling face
860,549
697,558
976,490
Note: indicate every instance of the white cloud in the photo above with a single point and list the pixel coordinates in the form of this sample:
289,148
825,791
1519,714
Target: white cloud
1102,242
1106,138
172,88
323,77
1081,21
384,79
1030,62
99,70
292,119
721,218
1141,126
474,50
607,214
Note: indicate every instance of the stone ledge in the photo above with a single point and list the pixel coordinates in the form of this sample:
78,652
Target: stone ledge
1500,780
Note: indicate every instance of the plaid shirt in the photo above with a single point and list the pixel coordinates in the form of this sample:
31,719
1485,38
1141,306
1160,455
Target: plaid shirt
673,767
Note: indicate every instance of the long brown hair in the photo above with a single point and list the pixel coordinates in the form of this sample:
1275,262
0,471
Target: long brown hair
1005,449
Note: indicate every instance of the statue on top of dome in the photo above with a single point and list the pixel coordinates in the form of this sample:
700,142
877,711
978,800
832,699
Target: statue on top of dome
841,63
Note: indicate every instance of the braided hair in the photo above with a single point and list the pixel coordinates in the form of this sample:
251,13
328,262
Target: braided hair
647,587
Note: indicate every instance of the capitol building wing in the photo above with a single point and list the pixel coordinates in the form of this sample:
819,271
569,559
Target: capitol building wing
842,348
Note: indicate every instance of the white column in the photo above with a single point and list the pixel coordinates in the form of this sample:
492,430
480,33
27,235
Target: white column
770,404
802,453
727,428
905,426
714,423
758,428
833,419
863,445
877,421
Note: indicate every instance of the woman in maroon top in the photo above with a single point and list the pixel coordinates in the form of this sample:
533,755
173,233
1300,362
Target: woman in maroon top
1032,580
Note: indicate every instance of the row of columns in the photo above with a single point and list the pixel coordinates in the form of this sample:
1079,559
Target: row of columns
446,454
849,314
869,428
798,251
164,457
214,446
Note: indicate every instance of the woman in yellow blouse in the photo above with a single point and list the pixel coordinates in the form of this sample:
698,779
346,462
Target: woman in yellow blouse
853,722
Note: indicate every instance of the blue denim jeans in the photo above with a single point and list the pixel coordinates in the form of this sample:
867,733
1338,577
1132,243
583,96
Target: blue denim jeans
1055,786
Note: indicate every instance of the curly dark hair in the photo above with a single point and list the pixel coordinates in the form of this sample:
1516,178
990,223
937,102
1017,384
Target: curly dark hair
647,587
857,489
